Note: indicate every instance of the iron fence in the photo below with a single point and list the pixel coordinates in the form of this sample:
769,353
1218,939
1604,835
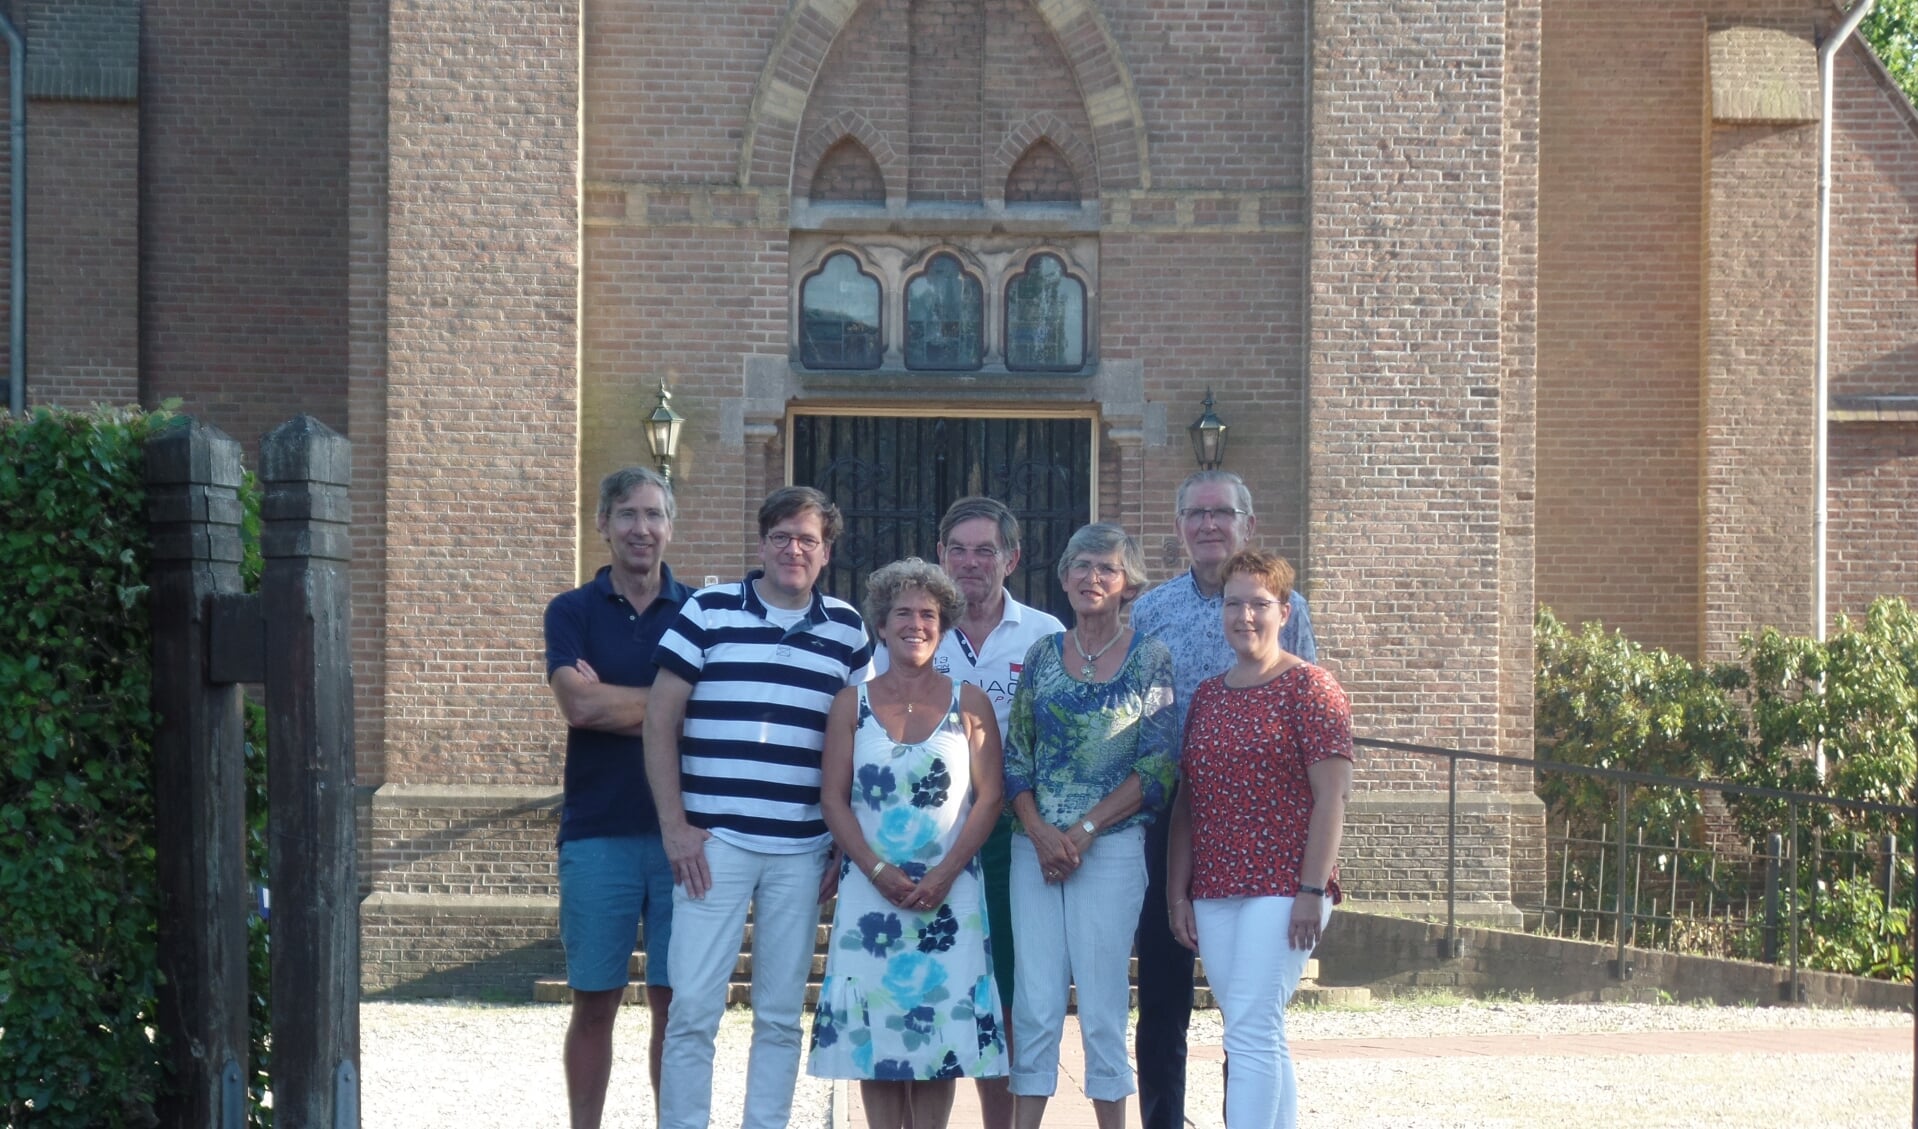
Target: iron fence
1617,889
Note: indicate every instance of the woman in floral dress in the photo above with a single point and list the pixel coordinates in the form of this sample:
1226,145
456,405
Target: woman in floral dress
911,788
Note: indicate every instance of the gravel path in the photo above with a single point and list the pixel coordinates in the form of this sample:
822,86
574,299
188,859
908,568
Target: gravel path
427,1065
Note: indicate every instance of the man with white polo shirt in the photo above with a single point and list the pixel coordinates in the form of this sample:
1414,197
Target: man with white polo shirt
747,675
979,549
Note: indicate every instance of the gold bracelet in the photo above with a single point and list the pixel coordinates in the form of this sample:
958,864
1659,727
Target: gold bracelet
878,868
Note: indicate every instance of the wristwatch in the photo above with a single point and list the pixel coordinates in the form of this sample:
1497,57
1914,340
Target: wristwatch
1316,891
1089,827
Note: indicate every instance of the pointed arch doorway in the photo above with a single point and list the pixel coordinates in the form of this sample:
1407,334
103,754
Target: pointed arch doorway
894,475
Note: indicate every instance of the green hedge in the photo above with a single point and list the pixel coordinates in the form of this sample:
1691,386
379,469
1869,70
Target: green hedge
78,967
1602,699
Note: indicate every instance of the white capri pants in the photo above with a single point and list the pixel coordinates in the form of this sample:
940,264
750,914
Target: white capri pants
1076,931
1253,970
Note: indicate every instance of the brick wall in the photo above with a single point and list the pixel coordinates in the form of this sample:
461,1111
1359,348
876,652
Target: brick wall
1620,126
1758,434
1405,368
1874,337
677,300
427,948
243,211
464,842
1874,253
944,90
481,473
1041,176
1223,86
848,172
1201,310
82,252
1871,514
366,379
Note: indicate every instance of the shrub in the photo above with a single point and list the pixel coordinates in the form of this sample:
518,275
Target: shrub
1603,700
78,900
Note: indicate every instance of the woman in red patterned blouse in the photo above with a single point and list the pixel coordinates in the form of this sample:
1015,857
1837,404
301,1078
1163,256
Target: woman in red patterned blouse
1254,837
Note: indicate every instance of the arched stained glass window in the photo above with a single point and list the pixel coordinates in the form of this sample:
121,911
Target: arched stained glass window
945,322
839,316
1045,317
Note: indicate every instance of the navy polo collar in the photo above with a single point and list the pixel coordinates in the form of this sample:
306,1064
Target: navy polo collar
669,587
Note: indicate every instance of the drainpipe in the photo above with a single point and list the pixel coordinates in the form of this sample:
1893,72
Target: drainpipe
1827,54
17,244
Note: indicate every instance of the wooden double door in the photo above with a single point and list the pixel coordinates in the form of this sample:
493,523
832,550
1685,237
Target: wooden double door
893,476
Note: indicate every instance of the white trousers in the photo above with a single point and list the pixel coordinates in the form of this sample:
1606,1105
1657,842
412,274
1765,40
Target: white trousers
783,891
1253,970
1076,931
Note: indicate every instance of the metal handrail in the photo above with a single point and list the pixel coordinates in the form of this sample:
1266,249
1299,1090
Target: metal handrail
1624,778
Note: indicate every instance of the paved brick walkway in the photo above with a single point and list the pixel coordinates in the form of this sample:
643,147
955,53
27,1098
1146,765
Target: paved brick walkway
1071,1110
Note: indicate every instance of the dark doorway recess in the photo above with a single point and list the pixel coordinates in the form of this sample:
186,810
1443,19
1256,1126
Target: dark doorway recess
893,476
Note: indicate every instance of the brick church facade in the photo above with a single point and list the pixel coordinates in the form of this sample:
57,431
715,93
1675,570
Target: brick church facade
1505,303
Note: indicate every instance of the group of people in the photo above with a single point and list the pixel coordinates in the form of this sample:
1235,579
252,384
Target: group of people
1003,805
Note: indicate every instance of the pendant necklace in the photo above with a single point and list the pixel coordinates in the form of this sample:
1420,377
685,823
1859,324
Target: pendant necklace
1092,660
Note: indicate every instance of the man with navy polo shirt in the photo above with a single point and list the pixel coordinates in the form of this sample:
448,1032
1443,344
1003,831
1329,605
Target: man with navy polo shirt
1186,613
613,871
747,675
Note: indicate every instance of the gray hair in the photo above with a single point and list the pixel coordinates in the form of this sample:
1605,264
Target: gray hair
883,589
977,506
1104,537
1241,495
627,479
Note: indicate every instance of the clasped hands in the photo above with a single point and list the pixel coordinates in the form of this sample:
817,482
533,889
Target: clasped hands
1060,852
897,887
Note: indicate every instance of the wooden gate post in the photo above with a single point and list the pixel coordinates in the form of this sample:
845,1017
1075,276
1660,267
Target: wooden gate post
199,777
304,592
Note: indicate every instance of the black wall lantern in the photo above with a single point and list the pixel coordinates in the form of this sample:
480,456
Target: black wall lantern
662,432
1208,437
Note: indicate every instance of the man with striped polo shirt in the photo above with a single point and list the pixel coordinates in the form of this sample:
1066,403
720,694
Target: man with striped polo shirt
734,732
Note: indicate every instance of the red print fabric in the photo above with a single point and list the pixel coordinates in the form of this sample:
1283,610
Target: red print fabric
1246,752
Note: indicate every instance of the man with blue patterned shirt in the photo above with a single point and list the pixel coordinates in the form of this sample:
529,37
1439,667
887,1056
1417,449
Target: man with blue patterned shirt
613,872
1186,613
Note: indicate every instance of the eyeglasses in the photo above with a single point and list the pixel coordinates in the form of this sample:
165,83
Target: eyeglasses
781,540
1222,515
1098,570
1256,607
984,553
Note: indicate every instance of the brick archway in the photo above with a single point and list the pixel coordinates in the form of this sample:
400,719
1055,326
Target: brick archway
806,35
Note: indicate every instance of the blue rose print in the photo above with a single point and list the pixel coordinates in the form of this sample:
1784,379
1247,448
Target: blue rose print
932,789
876,785
915,978
825,1028
878,932
914,870
919,1020
892,1070
904,831
941,933
988,1029
949,1067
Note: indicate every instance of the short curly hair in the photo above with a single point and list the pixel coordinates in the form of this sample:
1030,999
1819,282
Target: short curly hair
884,587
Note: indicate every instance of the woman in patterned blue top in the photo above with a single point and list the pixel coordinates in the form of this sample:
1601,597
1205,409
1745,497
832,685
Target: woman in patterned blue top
1089,762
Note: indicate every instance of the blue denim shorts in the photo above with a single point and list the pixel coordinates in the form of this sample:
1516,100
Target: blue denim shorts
606,888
